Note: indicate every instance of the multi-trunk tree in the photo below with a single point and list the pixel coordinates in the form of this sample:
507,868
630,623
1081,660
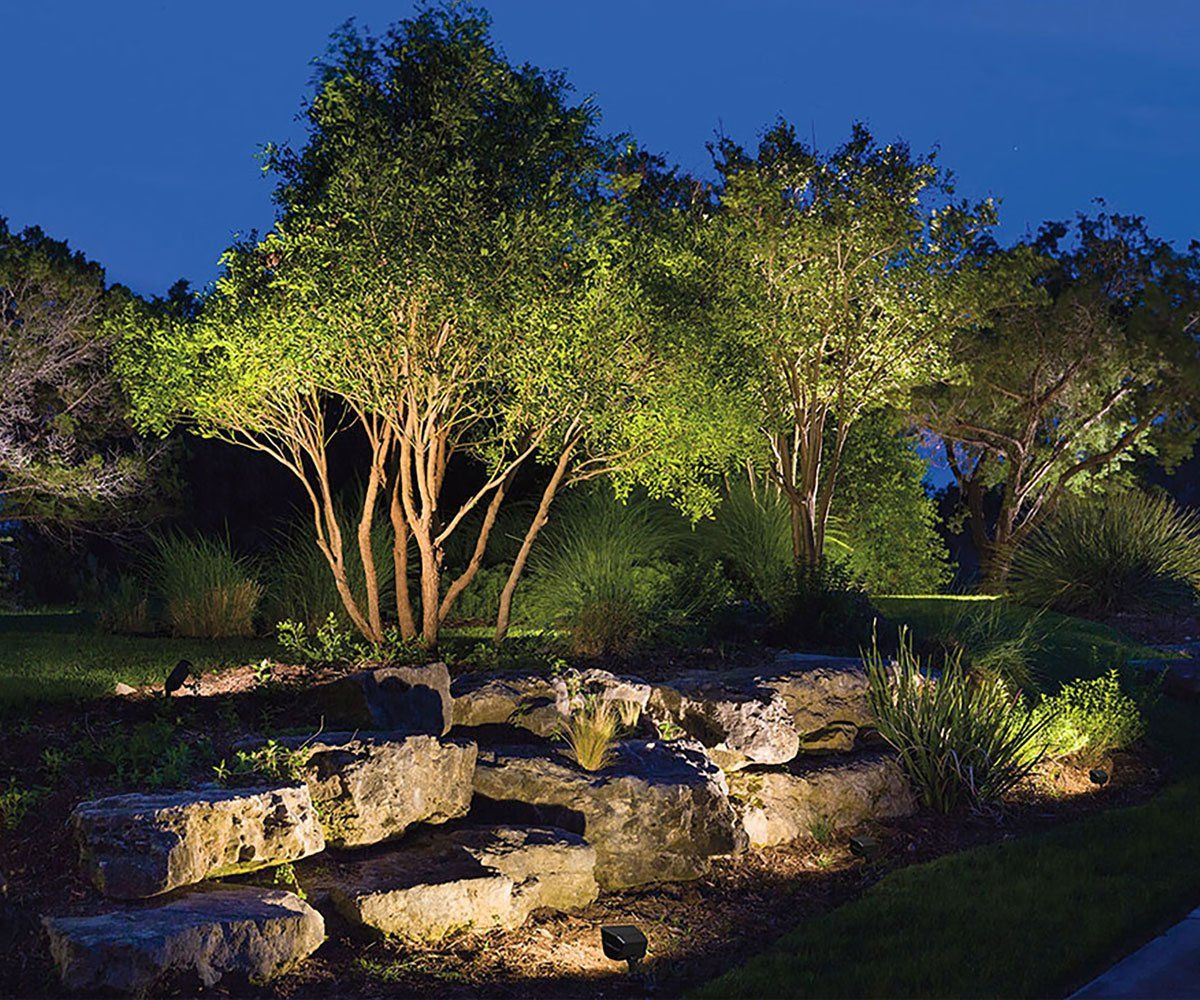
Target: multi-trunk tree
836,283
454,275
1062,391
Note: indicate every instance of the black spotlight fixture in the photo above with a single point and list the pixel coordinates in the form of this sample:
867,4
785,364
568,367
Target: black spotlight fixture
1098,776
864,847
177,677
624,943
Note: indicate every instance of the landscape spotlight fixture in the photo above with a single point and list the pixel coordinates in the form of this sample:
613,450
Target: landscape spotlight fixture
624,943
177,677
1098,776
864,847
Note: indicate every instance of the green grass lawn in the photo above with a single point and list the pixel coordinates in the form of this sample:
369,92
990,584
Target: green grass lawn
65,657
1032,917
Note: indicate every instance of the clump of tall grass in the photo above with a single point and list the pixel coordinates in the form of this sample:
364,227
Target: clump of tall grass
591,732
1127,551
207,590
992,638
125,607
613,573
962,739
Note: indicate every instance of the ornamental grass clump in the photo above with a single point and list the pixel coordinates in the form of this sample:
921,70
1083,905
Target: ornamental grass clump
1124,552
1089,719
591,733
964,740
207,591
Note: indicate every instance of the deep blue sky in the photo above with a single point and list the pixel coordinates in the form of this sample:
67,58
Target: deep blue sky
130,126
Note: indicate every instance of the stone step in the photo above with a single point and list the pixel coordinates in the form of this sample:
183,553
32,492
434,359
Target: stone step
209,932
371,787
140,845
472,879
809,797
658,813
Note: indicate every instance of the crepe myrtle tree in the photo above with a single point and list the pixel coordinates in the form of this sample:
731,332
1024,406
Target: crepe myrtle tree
836,283
1063,391
450,276
69,460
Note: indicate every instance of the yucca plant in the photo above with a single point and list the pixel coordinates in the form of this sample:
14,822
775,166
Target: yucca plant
962,740
1127,551
207,591
591,732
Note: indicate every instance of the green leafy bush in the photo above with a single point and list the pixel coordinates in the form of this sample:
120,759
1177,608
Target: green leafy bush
207,591
329,643
1088,719
613,574
15,802
963,740
823,608
1126,551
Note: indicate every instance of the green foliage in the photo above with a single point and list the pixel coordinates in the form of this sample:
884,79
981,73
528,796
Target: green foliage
591,732
272,761
1088,719
125,607
613,574
1097,555
328,644
993,639
962,740
154,753
1063,391
15,802
750,534
823,608
207,590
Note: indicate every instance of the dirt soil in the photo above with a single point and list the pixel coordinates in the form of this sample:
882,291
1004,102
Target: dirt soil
696,929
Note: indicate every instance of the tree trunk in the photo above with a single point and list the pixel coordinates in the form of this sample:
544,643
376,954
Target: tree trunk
504,614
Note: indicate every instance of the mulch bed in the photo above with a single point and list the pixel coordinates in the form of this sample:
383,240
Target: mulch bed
696,929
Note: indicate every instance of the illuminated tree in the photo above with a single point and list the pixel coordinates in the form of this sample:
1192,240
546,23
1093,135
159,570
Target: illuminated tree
1063,391
837,282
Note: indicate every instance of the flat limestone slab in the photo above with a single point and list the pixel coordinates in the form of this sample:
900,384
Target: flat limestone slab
469,880
136,846
211,932
371,787
835,793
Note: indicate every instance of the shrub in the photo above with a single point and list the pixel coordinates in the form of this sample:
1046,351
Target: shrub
823,608
591,732
207,591
329,643
125,607
992,638
1088,719
613,574
1123,552
962,740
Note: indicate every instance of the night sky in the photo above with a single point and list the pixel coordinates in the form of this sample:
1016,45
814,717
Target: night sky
130,128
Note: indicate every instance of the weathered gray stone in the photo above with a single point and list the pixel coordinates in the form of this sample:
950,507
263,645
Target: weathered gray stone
657,814
779,806
209,932
370,787
826,696
135,846
468,880
530,702
394,699
737,721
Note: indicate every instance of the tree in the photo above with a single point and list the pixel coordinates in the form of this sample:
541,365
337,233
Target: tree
837,283
68,458
1063,391
451,278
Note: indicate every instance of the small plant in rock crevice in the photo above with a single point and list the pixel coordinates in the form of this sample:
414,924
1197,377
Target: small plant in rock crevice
591,733
15,803
272,761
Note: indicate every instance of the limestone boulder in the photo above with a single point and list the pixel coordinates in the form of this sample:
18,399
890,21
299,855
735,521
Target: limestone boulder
469,880
737,721
210,932
529,702
658,813
394,699
136,846
820,795
370,787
